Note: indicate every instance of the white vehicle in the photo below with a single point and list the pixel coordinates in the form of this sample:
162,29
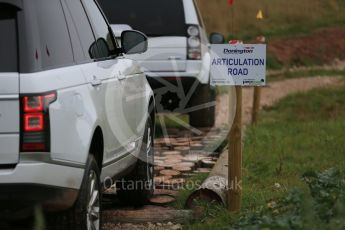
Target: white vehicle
75,114
177,62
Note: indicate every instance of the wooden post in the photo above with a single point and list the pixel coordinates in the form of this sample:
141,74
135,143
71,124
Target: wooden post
257,89
256,104
235,157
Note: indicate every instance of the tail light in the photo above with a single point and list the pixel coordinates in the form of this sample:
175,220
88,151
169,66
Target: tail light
35,125
194,42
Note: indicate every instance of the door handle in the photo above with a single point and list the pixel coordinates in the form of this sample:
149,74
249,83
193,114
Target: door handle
171,58
96,82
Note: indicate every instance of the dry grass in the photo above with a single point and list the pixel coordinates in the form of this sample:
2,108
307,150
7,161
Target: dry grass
282,17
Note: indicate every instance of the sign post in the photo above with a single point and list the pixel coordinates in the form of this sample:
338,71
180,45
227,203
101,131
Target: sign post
237,65
235,157
257,90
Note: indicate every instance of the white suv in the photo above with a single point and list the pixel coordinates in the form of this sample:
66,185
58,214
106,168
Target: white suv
178,58
75,114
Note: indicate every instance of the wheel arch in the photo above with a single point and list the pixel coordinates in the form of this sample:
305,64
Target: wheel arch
152,110
97,146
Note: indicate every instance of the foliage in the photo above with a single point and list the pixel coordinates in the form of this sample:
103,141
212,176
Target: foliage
320,209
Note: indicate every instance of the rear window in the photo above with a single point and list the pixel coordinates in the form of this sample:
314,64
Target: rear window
50,34
153,17
8,39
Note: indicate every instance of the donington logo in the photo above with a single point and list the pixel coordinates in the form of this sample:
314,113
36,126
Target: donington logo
238,51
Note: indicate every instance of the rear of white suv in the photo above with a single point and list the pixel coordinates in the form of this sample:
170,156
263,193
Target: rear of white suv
178,58
74,112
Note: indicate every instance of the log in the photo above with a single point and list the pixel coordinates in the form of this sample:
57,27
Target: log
195,158
206,163
158,168
214,188
187,164
153,214
158,162
182,139
162,199
182,169
172,173
167,153
183,149
172,161
160,158
169,157
161,179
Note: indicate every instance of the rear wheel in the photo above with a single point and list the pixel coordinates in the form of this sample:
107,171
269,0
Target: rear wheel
204,97
86,213
137,188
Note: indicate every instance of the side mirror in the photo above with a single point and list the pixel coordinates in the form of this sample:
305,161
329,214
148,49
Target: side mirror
217,38
133,42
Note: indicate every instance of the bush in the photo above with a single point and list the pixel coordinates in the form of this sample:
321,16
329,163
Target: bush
322,208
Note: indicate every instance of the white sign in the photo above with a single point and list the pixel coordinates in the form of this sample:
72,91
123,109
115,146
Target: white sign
240,65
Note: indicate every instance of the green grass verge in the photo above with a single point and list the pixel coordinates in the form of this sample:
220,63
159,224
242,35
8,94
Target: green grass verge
301,133
165,122
306,73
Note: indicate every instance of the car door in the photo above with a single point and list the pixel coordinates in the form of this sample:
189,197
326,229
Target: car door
108,77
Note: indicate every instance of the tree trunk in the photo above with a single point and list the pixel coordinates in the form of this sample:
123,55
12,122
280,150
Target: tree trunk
214,189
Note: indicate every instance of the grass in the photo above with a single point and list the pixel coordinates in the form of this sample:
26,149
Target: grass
306,73
282,18
301,133
165,122
304,132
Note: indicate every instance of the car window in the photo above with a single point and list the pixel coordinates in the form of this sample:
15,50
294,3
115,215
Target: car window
78,21
8,39
46,23
104,40
153,17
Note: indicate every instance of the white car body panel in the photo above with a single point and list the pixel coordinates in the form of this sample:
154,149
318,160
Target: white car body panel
9,118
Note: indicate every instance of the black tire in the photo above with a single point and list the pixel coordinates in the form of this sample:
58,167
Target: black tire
78,216
137,187
205,116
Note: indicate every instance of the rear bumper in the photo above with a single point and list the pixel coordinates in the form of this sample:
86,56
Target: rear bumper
55,187
15,197
199,70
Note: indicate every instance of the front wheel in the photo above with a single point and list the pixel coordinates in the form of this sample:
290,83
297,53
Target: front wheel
137,188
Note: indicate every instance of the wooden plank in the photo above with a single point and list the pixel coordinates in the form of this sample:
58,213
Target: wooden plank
153,214
235,157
